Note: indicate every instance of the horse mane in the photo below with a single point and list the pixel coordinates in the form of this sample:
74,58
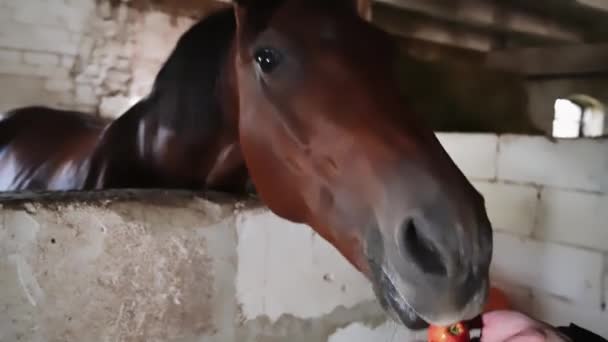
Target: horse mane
184,94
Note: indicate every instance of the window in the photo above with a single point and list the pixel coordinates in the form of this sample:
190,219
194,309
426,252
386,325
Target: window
578,116
567,121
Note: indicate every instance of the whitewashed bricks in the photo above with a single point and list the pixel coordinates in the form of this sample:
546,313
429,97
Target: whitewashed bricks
65,48
10,56
574,218
566,272
41,58
561,312
277,259
475,154
511,208
570,164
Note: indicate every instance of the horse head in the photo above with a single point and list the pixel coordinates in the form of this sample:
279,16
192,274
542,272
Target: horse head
329,142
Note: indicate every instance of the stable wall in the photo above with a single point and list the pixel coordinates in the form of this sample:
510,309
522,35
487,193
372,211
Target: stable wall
96,56
163,266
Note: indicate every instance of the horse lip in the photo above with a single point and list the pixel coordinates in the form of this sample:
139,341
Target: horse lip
391,300
406,313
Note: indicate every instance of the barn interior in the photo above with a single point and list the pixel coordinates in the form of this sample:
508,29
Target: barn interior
516,92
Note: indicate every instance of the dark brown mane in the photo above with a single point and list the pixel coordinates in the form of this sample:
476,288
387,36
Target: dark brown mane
184,95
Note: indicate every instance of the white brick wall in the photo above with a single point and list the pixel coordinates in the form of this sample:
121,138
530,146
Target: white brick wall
41,58
277,259
31,37
475,154
570,273
575,218
502,200
82,55
559,311
548,204
9,56
578,164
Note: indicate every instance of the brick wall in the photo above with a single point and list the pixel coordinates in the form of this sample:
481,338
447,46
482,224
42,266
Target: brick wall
548,203
85,55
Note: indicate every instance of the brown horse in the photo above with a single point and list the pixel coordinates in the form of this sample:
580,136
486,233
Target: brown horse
301,95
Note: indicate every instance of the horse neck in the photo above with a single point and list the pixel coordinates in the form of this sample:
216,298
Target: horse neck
161,126
227,93
192,122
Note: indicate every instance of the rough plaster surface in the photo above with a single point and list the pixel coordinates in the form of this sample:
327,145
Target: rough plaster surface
114,272
276,257
96,56
164,267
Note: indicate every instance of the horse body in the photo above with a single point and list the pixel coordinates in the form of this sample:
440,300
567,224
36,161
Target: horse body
46,149
180,135
301,96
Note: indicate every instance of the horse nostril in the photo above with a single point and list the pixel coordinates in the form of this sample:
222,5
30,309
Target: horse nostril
423,252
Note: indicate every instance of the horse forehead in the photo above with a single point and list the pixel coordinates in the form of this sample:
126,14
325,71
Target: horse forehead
315,21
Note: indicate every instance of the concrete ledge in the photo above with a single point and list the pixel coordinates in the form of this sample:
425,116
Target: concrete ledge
166,266
121,269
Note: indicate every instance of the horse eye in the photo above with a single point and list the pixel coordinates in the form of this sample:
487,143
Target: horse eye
268,59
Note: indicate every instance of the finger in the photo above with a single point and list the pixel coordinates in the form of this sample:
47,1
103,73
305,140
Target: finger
499,317
499,326
530,335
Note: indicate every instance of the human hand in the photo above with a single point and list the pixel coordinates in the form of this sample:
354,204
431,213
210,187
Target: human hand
512,326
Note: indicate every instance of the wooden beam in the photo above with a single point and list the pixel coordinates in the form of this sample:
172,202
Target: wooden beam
432,52
433,31
583,59
601,5
364,7
490,15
